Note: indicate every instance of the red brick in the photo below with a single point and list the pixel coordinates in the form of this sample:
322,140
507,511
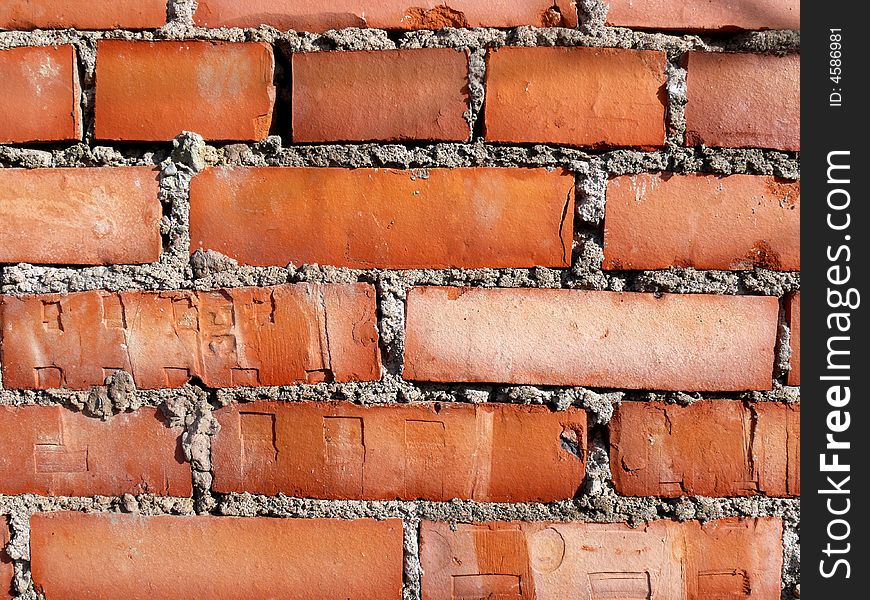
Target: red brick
599,97
793,316
377,218
235,337
704,15
314,15
214,558
702,221
727,558
390,95
599,339
711,448
7,569
40,101
337,450
52,451
82,14
80,216
743,100
152,91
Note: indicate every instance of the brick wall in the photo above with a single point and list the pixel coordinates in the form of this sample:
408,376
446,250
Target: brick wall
351,299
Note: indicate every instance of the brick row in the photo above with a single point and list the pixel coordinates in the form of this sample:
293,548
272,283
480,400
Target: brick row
237,337
704,15
82,14
726,558
7,569
211,557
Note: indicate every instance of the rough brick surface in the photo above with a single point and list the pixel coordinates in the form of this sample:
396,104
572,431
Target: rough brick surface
793,316
41,95
490,453
598,97
315,15
375,218
211,557
710,448
236,337
390,95
598,339
728,558
743,100
82,14
7,569
702,221
704,15
53,451
80,216
152,91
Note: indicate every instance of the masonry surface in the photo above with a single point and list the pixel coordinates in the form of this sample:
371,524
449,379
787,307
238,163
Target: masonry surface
358,299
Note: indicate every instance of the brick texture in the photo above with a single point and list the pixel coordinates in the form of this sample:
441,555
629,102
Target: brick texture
375,218
152,91
490,453
793,316
315,15
53,451
598,339
710,448
82,14
271,558
80,216
727,558
7,569
703,222
353,96
237,337
599,97
704,15
743,100
41,95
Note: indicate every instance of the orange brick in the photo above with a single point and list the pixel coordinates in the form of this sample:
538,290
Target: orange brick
214,558
743,100
793,316
739,558
40,102
390,95
152,91
711,448
314,15
80,216
235,337
598,339
82,14
52,451
599,97
7,569
337,450
702,221
376,218
704,15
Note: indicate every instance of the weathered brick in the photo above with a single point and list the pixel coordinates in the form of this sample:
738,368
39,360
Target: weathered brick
704,15
337,450
80,216
53,451
702,221
389,95
598,339
743,100
235,337
793,316
152,91
7,569
315,15
710,448
82,14
41,95
213,558
599,97
727,558
377,218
